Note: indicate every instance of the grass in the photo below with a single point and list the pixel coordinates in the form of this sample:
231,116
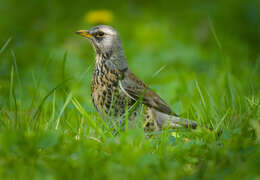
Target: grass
49,128
59,135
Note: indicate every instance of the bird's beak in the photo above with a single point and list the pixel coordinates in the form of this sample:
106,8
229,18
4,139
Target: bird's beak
84,33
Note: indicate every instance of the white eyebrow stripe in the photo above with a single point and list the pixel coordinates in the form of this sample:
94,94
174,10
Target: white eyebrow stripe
109,32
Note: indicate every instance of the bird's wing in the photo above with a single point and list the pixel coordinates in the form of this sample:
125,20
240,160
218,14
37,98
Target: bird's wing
136,89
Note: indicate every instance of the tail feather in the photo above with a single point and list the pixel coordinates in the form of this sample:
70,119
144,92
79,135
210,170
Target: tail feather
162,120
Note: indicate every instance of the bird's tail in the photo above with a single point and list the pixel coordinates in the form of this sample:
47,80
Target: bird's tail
163,120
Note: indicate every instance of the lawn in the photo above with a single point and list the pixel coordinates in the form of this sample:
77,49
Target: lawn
201,57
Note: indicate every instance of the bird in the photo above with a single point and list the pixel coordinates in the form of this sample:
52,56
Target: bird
116,91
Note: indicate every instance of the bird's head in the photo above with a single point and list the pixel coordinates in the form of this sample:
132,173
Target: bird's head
107,44
103,38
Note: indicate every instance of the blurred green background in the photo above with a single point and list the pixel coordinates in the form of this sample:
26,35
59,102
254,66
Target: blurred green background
202,57
199,36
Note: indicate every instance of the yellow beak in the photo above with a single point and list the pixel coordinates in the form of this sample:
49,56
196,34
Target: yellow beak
84,33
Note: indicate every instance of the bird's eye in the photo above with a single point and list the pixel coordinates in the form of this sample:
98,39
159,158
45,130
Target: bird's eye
100,34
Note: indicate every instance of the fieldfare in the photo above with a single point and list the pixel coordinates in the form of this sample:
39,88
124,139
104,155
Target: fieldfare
115,90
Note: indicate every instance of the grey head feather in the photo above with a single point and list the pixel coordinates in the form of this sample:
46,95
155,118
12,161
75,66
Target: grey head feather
108,47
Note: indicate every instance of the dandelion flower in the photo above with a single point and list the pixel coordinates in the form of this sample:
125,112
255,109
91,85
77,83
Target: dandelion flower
99,17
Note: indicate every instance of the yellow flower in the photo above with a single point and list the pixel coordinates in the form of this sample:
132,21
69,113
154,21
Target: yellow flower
99,17
174,134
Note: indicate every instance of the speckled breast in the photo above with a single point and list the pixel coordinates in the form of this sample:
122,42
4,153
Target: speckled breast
105,92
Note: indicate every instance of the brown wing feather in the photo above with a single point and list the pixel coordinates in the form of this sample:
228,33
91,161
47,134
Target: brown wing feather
136,89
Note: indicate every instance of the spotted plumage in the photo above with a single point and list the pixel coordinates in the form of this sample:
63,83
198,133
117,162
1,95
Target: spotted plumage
105,90
115,90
